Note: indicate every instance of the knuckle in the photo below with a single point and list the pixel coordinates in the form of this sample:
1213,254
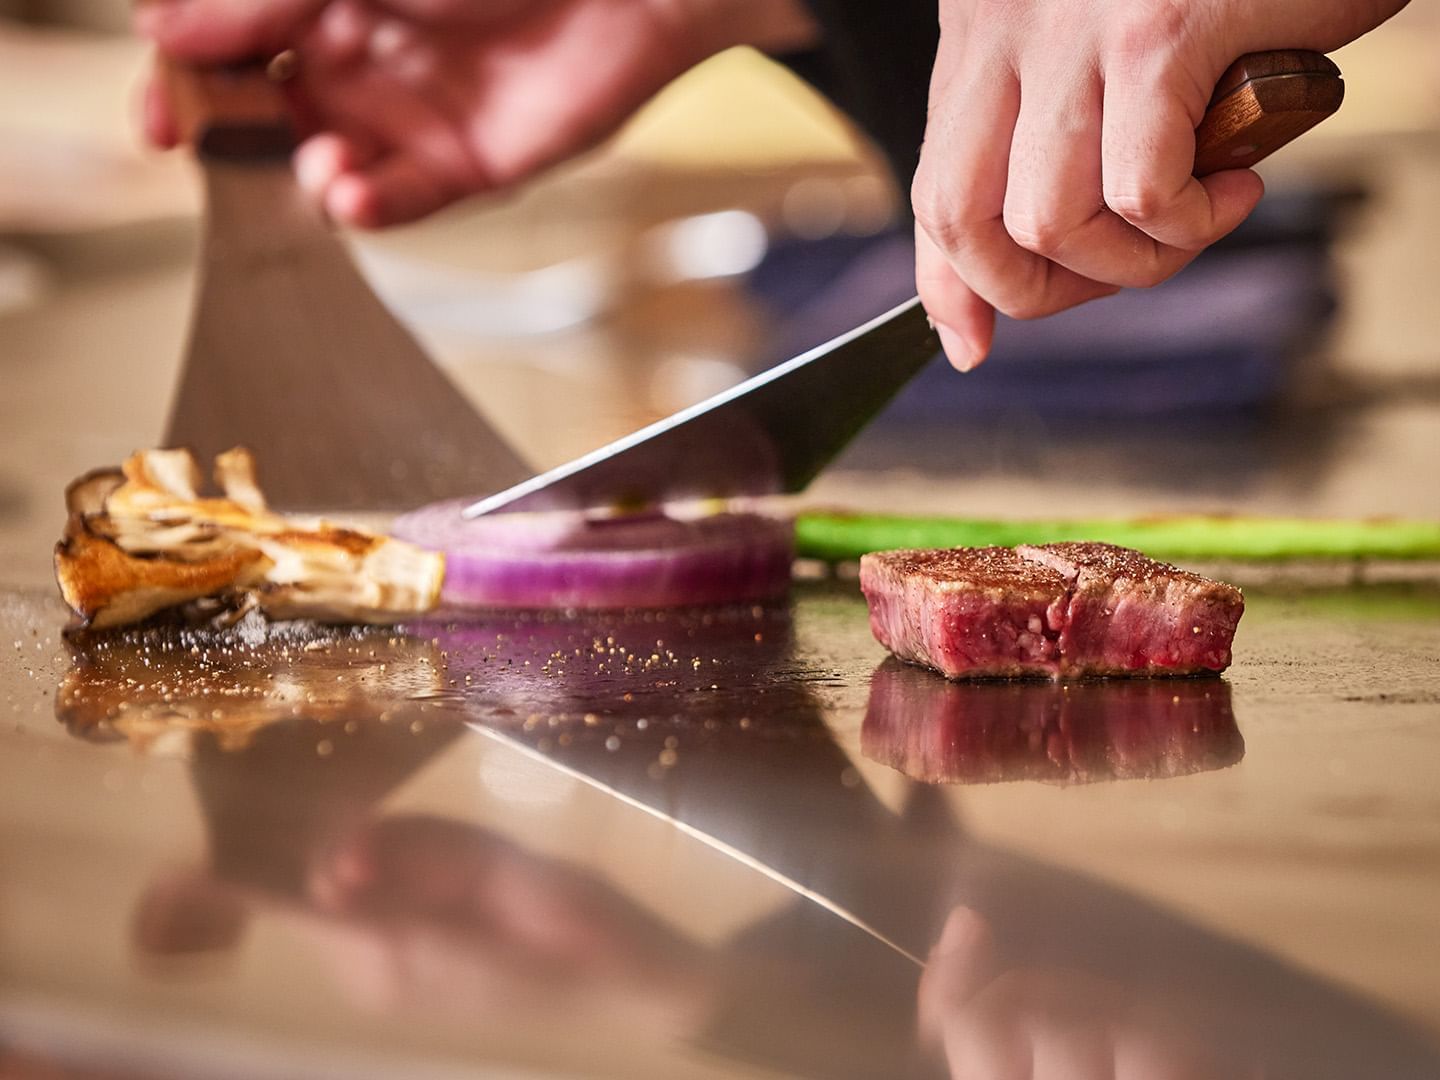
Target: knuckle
1042,233
1149,29
924,201
1141,204
940,213
947,230
1024,305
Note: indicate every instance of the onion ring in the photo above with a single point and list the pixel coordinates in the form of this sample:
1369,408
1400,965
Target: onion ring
560,560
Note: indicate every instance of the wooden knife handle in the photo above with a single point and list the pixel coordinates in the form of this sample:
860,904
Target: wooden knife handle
1262,102
235,111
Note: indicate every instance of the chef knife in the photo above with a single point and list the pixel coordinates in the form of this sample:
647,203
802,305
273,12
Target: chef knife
774,433
290,353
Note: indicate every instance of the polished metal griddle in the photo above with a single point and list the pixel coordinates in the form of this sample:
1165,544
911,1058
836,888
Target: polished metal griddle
679,845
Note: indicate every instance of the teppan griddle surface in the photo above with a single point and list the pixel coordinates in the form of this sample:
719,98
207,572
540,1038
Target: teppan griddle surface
715,844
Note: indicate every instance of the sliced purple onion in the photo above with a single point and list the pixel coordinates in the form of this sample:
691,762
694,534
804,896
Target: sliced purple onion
564,560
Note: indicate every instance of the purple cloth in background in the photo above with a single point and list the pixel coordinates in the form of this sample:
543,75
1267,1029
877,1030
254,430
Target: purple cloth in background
1219,337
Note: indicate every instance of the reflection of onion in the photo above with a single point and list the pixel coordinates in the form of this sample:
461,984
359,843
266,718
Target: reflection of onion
563,560
941,731
595,673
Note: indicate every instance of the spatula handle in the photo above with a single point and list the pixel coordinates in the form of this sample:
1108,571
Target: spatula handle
235,111
1262,102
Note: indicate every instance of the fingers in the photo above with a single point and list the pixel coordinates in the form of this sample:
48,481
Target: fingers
391,120
419,864
322,159
371,173
965,323
394,190
961,964
188,912
218,30
1053,207
211,31
959,199
1055,172
157,119
1148,152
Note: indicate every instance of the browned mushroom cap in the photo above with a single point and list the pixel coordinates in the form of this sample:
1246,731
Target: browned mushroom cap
87,495
142,539
235,476
106,587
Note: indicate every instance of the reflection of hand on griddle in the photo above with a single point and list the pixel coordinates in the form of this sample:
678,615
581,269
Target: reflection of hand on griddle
293,735
433,914
993,1023
936,730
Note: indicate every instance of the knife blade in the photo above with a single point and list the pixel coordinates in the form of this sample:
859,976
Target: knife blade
774,433
752,439
290,353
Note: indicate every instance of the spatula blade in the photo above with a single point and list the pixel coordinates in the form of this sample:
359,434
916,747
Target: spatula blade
291,354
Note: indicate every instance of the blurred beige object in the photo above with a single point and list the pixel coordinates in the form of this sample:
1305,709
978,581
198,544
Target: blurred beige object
24,281
740,110
1392,79
70,152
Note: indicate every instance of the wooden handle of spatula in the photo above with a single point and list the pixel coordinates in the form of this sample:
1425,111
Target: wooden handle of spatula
234,111
1262,102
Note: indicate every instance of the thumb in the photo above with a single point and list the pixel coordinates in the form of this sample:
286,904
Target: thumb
220,30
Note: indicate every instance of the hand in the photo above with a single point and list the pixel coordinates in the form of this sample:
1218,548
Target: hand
414,104
1057,162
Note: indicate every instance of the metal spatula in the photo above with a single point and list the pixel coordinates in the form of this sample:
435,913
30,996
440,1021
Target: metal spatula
775,432
290,352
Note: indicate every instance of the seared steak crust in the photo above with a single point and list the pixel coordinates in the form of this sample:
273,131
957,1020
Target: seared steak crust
1059,610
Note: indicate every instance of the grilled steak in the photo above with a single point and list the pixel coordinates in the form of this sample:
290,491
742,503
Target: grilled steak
1059,610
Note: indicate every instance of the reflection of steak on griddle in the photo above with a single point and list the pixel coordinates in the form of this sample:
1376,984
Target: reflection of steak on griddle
939,731
1058,610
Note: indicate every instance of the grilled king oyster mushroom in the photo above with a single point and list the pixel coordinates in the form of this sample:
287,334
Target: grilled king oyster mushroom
141,540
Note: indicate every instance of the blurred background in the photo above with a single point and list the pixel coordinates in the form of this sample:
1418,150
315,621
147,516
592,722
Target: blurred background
737,220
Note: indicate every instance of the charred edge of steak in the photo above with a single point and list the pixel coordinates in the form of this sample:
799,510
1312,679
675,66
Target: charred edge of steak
1057,610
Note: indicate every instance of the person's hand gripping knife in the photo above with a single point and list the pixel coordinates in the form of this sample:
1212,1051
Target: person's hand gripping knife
1058,157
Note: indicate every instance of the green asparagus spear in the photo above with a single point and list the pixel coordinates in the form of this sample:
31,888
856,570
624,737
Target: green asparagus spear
836,537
